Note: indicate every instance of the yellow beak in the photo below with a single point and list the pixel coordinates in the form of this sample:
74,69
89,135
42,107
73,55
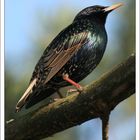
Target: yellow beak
113,7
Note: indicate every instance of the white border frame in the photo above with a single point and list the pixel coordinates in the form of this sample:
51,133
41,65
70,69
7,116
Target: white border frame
2,99
2,73
137,10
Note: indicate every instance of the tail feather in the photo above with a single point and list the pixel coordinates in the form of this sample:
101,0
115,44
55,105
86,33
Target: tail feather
25,96
34,99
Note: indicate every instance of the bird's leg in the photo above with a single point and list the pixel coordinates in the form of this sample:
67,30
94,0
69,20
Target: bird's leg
78,86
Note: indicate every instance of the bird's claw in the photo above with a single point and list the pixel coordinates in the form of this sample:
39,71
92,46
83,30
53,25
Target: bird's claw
77,91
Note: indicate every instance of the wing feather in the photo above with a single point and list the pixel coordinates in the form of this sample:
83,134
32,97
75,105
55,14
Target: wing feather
64,54
56,55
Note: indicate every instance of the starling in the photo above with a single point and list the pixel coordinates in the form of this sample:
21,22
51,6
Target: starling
70,57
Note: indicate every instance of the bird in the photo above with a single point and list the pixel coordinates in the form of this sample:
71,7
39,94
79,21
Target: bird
71,56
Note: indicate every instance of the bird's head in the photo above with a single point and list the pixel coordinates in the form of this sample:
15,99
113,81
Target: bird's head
98,12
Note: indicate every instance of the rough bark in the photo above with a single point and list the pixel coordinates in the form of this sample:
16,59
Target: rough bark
105,126
98,99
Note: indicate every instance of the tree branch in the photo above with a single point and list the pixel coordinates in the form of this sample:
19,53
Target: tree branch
105,126
97,99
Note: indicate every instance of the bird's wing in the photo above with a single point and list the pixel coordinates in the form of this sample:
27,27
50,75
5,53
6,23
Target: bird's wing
51,62
63,53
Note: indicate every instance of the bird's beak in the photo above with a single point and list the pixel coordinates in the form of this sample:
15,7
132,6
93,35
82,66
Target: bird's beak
113,7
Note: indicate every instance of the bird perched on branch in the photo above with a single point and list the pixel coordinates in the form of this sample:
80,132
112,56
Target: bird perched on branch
70,57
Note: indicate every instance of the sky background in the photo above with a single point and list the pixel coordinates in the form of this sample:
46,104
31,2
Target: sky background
31,25
22,24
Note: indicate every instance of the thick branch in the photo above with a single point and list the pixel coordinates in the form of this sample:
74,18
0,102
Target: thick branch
98,98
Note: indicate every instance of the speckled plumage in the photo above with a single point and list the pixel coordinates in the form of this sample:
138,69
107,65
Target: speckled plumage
75,51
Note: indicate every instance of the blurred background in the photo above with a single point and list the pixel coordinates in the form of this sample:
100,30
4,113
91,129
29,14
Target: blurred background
31,25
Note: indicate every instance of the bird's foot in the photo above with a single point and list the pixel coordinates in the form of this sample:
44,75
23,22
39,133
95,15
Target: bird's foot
77,91
78,86
53,100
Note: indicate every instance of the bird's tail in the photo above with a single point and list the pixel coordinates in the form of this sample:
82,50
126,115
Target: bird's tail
35,98
31,97
25,96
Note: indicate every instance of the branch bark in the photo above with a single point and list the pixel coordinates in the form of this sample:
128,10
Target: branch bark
105,126
98,98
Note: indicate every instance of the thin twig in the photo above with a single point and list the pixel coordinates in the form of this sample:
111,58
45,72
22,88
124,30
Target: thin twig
105,127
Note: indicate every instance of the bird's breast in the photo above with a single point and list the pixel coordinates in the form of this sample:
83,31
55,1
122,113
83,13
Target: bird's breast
87,58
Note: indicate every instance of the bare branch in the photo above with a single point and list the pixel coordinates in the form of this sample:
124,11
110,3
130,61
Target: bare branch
97,99
105,126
